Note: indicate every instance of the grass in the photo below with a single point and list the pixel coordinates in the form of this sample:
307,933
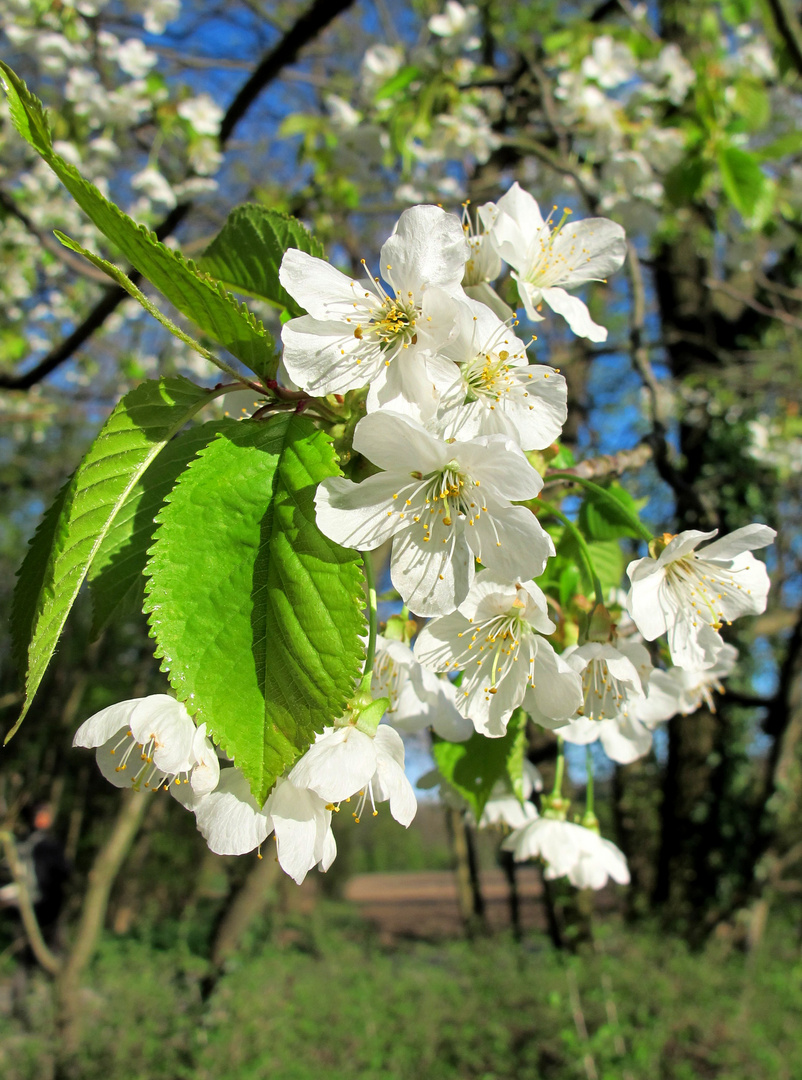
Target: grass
318,998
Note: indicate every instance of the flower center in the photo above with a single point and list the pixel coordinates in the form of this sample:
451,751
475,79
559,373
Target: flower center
702,585
148,775
605,696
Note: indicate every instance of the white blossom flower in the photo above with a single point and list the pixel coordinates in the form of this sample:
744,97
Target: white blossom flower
570,851
445,503
544,259
682,690
232,823
614,677
495,390
495,638
358,333
379,64
418,698
150,742
344,761
203,113
688,596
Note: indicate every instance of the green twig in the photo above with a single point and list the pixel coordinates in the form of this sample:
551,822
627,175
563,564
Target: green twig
583,547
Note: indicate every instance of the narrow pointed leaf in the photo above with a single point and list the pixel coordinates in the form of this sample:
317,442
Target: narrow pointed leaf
195,294
257,616
135,433
247,253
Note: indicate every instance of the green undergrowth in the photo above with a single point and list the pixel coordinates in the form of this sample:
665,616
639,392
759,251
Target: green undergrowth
315,995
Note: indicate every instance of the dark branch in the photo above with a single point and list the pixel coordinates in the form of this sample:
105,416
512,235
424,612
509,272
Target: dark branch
284,53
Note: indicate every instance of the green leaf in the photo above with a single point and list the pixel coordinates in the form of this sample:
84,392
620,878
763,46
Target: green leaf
138,429
783,146
116,574
398,82
742,179
474,767
257,615
121,278
599,520
194,293
606,556
247,253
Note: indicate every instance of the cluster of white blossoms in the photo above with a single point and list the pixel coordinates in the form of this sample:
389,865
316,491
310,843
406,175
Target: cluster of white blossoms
452,407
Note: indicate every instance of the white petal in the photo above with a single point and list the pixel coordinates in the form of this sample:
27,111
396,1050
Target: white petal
510,541
357,515
337,765
592,248
230,818
428,249
167,722
749,538
296,814
575,313
399,444
557,692
316,284
109,722
324,357
431,577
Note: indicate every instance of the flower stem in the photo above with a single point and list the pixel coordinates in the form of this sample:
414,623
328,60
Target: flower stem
559,771
373,618
611,500
583,547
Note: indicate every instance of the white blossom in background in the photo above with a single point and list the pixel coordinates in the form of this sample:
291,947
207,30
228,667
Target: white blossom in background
444,503
610,62
418,698
546,258
345,761
496,639
505,808
494,390
457,25
150,742
379,64
154,186
683,690
134,58
689,595
358,333
672,74
203,113
570,851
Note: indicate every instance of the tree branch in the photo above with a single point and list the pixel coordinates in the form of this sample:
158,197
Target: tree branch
44,956
284,53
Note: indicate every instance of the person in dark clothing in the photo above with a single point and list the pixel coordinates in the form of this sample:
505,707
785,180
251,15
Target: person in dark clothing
46,870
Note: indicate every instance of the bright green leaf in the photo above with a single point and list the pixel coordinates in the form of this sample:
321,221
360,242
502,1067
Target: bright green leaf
474,767
257,615
138,429
742,179
606,555
599,520
195,294
117,571
247,253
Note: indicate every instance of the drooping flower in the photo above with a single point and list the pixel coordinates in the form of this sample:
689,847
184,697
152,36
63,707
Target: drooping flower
544,259
359,333
614,676
689,596
418,698
682,690
495,639
444,503
494,390
150,742
345,761
570,851
233,823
